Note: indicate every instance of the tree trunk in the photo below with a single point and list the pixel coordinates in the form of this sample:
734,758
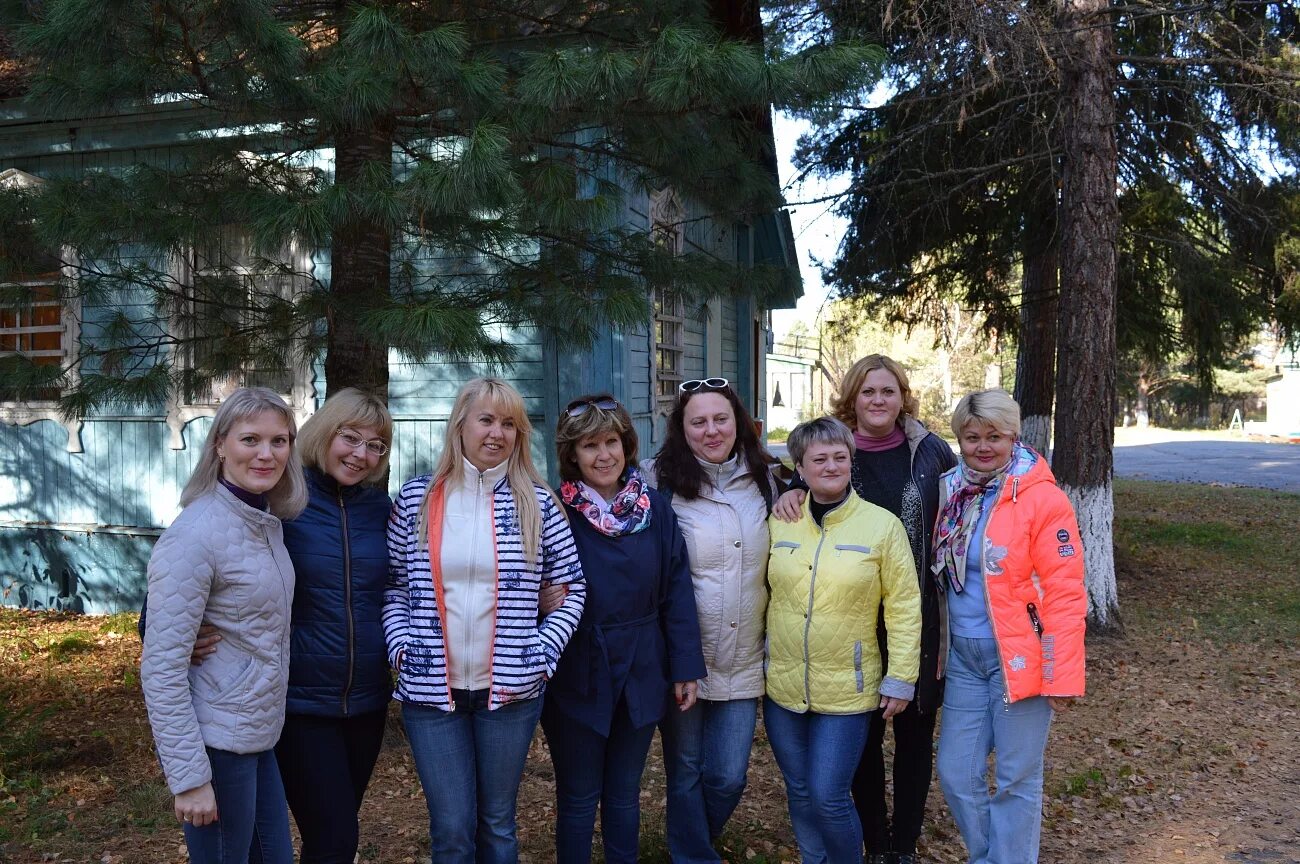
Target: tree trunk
1036,353
993,371
1142,410
360,258
1085,375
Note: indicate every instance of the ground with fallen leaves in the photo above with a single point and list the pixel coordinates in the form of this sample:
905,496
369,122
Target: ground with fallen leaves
1187,748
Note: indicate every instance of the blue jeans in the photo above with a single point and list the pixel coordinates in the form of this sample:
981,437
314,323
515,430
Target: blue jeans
1002,828
706,757
817,755
470,762
591,769
252,818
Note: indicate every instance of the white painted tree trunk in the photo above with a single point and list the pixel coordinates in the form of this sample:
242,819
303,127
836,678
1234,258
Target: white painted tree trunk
1036,431
1095,509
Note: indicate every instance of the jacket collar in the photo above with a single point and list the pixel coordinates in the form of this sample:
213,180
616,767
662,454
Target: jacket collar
251,515
489,478
846,508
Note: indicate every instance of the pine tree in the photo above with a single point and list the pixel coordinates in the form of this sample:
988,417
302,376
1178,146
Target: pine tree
462,163
977,171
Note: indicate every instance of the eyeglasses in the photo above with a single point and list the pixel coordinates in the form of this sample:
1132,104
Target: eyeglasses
703,384
578,407
374,446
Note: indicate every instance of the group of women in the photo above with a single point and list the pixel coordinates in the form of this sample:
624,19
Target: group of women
675,593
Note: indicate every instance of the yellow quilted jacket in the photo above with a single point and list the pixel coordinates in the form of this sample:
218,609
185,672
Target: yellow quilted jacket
826,587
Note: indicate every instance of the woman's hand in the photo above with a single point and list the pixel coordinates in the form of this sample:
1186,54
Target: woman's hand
550,598
205,645
1060,703
892,705
789,507
197,806
684,693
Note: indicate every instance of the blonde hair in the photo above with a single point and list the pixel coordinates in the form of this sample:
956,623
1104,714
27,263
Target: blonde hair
520,471
571,430
844,405
822,430
288,497
348,407
994,407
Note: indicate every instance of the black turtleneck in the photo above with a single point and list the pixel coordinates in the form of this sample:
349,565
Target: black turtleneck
819,511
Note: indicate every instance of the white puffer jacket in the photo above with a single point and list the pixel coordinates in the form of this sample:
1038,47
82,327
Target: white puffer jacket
727,542
224,563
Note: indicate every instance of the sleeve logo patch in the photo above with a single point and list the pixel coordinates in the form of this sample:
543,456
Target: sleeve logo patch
1066,550
1063,536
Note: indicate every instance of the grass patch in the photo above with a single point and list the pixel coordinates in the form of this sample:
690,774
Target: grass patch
1177,535
1080,784
121,623
66,647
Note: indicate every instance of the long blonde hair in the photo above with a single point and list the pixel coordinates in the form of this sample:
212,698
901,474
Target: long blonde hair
288,498
520,471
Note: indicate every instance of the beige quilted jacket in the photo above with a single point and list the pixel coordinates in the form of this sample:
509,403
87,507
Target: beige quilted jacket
222,562
727,542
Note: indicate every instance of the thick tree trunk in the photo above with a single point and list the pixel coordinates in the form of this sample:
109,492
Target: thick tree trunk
1036,353
1142,410
1085,376
360,259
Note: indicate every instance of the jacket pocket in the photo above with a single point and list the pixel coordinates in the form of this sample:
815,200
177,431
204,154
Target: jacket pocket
231,679
849,547
786,544
857,664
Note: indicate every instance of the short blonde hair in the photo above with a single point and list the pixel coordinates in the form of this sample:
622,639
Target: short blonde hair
993,407
288,497
570,430
844,405
348,407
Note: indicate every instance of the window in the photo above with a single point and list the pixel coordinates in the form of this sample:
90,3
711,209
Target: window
225,323
36,330
232,294
666,227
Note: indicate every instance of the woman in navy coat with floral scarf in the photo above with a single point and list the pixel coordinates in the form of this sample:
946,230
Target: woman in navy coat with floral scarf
637,651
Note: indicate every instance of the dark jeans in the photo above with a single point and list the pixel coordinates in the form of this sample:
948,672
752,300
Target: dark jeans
326,764
592,769
252,822
913,762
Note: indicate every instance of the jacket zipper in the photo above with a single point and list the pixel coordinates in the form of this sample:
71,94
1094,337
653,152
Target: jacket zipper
988,604
266,535
347,602
807,623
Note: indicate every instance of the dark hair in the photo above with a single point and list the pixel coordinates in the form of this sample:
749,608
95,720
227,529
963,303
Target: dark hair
570,430
676,467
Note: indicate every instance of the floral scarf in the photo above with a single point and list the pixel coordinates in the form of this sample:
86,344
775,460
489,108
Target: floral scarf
961,513
627,513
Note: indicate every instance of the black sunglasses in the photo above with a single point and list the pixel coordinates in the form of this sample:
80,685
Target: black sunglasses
578,407
703,384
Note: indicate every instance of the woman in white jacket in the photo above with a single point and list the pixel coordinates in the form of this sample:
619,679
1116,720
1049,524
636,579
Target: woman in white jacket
716,474
223,562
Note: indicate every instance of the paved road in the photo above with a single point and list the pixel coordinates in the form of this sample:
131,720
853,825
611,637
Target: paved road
1243,463
1195,459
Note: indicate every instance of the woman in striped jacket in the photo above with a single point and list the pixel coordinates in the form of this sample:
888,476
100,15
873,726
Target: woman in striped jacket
461,619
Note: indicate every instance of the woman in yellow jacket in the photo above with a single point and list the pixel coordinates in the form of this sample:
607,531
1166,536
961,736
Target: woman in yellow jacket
829,572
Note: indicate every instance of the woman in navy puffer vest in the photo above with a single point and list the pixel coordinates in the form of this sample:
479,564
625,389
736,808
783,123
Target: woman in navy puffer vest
339,684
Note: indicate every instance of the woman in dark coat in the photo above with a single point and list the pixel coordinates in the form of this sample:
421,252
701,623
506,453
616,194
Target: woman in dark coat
896,465
638,642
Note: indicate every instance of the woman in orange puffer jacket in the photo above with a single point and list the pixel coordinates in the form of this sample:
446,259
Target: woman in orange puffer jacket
1008,557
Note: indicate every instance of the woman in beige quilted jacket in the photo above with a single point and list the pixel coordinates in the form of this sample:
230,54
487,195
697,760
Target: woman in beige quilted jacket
223,562
715,472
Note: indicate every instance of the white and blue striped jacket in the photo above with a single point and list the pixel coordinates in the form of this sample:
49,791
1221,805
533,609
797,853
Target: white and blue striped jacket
524,651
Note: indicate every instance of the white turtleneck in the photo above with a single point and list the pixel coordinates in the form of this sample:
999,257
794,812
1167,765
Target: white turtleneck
469,577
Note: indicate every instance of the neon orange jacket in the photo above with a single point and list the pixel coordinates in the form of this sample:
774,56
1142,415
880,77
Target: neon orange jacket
1033,583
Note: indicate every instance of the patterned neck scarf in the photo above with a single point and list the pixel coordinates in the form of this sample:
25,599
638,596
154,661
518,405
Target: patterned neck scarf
627,513
958,518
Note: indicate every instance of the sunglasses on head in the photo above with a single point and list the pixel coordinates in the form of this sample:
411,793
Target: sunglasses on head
703,384
578,407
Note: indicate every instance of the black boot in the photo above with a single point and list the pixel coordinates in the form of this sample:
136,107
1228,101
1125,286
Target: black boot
906,858
880,858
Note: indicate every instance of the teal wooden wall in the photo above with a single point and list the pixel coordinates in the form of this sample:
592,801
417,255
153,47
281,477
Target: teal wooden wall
76,529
